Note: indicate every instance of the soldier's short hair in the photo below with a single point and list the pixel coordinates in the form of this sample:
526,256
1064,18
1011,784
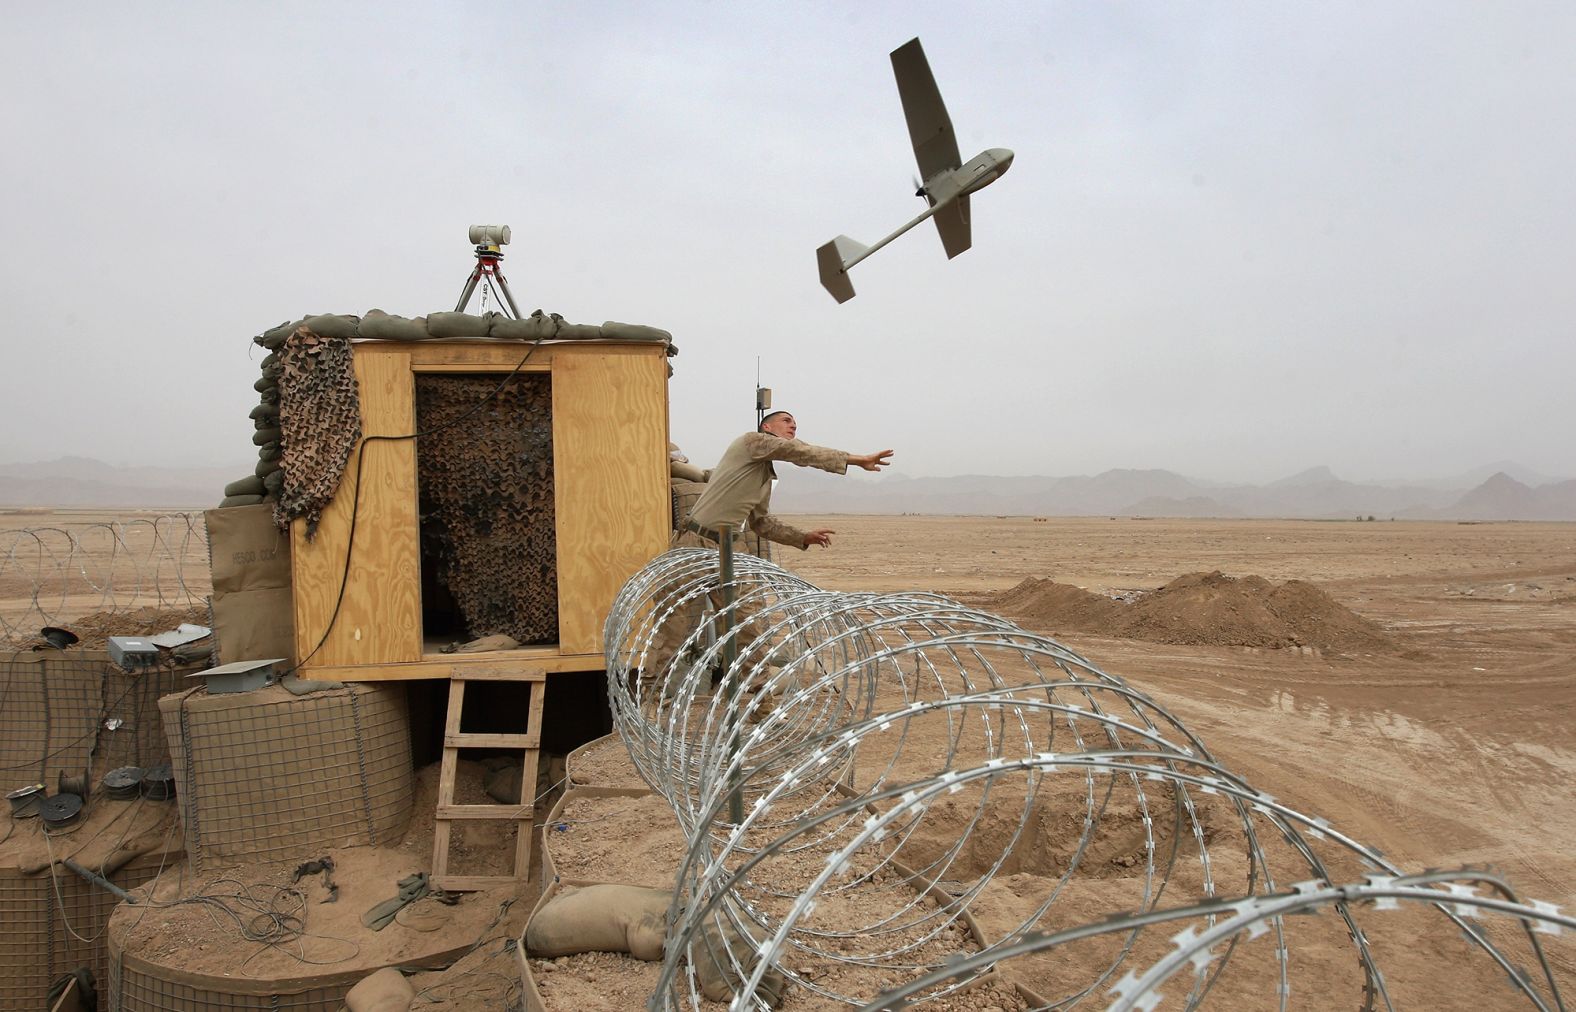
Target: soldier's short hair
768,417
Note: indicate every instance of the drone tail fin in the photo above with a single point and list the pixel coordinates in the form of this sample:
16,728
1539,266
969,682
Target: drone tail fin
834,259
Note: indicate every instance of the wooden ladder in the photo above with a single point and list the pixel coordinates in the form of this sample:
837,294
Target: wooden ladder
453,740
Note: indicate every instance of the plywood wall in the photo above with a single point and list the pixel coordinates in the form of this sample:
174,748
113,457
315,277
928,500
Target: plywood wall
611,500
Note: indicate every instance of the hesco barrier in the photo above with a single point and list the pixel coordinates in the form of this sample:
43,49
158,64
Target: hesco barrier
62,710
37,945
134,984
268,775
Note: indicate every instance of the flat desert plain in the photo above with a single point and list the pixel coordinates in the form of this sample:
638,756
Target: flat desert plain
1452,746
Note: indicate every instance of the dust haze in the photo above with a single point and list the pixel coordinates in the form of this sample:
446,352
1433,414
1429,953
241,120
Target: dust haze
1238,241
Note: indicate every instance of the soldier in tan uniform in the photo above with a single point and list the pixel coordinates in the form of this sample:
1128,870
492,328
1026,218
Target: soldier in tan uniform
738,495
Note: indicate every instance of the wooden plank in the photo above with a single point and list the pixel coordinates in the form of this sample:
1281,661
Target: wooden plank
494,356
441,666
496,673
525,834
473,883
610,481
451,716
485,813
492,741
379,620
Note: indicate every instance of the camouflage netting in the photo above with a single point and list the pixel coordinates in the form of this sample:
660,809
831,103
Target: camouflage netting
486,480
319,424
274,433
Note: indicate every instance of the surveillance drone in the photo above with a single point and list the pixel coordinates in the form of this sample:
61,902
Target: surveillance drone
946,181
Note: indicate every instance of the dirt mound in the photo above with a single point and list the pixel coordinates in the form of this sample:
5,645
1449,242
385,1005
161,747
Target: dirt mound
94,630
1209,609
1046,602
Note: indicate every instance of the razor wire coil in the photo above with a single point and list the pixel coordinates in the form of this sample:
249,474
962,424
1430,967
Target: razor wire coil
54,574
892,757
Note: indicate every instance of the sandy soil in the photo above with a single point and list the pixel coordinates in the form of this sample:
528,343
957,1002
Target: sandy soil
1449,743
1458,749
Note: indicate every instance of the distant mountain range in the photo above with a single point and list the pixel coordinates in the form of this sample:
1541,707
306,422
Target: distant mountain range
1313,494
1510,492
82,481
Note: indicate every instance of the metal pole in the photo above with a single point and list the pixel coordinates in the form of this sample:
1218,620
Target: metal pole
99,880
470,287
503,288
734,691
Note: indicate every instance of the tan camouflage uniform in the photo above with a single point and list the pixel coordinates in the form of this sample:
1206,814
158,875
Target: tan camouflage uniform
739,494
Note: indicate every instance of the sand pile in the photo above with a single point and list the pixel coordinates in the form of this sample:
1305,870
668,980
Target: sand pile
1209,609
95,630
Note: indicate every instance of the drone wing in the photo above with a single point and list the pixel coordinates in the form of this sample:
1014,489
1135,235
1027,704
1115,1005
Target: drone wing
952,222
929,127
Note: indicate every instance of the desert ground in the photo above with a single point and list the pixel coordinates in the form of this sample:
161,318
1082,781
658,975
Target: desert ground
1447,744
1455,748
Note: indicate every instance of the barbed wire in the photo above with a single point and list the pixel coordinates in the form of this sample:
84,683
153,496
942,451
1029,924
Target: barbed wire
52,575
871,764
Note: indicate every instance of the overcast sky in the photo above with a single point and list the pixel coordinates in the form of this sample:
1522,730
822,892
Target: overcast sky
1239,239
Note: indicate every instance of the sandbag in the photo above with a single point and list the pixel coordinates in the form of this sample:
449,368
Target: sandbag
267,383
272,339
710,956
578,332
274,482
332,325
386,990
456,325
270,395
503,785
484,644
250,485
265,468
270,361
536,327
240,500
601,918
380,326
265,411
268,451
262,437
615,331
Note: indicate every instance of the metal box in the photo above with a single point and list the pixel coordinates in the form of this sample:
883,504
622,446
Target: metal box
242,676
133,651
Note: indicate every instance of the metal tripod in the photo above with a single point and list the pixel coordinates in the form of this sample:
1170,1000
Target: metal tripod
487,266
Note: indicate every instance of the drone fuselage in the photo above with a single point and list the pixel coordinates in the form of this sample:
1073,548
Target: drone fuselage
975,174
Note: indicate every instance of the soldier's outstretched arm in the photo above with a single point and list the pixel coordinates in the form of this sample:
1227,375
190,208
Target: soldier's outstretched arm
870,461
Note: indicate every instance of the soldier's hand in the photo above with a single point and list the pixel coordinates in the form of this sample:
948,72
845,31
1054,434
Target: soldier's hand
822,538
871,461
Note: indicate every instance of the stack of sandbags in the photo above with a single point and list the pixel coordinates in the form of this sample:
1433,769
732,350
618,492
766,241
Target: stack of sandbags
255,487
266,481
